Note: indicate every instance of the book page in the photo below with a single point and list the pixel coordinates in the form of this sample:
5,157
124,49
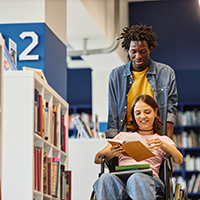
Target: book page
135,137
115,142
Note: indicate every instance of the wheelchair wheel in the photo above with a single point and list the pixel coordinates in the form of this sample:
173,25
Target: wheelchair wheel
93,196
178,193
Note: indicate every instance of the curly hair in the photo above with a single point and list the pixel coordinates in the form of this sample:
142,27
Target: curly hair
157,126
138,33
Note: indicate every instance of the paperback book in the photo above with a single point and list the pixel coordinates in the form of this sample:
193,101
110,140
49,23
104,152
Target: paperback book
135,146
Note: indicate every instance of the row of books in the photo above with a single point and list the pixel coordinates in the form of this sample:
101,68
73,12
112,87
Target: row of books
192,184
49,122
192,162
52,179
87,118
188,118
84,131
187,139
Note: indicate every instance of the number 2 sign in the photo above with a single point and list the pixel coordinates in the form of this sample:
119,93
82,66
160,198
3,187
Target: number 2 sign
24,55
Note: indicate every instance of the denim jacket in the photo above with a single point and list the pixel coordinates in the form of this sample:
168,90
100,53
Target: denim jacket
162,79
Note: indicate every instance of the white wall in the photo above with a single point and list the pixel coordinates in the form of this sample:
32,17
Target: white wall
100,94
51,12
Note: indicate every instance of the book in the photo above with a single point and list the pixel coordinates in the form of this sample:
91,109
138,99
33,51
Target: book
191,183
8,62
13,51
197,184
135,146
131,167
55,177
36,112
45,172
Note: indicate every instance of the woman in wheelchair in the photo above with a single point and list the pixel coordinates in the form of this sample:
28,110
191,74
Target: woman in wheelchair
146,121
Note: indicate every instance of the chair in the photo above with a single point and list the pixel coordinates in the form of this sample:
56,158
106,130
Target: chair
165,174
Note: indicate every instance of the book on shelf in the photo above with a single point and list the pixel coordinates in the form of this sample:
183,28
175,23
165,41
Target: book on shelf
192,162
55,176
55,107
63,133
135,146
8,62
37,168
46,120
36,112
132,167
197,185
191,183
83,130
187,140
49,175
45,172
62,182
13,51
68,175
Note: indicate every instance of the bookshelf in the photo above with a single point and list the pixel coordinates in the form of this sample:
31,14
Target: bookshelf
2,43
23,176
82,110
187,138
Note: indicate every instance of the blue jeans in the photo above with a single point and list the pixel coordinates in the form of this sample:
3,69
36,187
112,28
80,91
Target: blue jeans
139,186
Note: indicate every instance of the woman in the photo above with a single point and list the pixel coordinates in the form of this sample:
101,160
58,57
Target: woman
146,121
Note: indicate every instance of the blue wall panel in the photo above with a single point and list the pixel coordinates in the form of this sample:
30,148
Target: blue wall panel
178,25
55,63
79,89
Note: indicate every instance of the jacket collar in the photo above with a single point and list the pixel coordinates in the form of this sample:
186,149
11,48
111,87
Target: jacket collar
150,71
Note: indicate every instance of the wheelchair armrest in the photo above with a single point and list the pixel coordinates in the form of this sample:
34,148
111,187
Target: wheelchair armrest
110,164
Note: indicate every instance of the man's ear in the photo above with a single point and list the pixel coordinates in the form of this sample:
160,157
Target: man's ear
150,48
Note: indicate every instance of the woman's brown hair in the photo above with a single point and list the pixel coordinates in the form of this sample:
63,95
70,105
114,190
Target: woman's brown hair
157,126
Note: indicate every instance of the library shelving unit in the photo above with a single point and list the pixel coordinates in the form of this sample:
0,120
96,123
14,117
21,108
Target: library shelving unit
188,125
20,179
2,43
78,109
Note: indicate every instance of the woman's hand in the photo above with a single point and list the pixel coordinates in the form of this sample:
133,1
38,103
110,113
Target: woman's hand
116,150
154,143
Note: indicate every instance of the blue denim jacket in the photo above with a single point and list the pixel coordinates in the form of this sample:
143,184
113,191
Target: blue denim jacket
162,79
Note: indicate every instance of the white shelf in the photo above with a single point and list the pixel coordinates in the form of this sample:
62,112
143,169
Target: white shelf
19,138
2,43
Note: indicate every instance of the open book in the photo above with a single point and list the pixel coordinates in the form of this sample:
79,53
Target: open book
135,146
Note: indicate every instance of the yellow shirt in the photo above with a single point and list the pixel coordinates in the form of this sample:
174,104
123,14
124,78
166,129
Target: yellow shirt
140,86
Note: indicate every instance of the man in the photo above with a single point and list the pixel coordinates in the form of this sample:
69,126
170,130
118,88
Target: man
141,75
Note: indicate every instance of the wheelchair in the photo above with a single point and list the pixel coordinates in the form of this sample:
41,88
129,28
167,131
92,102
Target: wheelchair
165,174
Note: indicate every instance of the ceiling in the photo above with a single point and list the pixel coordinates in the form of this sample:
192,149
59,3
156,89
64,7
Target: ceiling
80,25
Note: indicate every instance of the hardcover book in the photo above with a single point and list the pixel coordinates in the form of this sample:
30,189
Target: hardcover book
132,167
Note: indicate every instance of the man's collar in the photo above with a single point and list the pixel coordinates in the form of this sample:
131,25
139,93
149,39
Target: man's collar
150,71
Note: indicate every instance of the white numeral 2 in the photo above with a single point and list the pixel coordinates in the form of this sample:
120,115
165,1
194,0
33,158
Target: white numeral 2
24,55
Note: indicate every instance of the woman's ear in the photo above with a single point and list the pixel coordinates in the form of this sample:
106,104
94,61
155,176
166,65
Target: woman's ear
156,112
